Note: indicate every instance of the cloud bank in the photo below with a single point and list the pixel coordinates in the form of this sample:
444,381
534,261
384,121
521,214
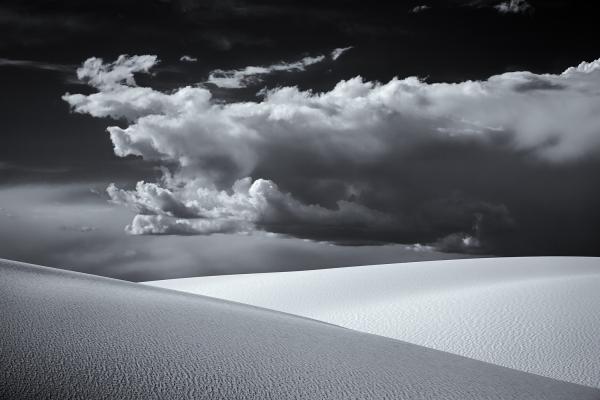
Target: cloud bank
454,165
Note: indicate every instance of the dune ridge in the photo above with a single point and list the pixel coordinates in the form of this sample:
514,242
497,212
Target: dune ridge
69,335
535,314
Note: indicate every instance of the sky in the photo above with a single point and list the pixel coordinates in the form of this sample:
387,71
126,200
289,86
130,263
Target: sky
164,139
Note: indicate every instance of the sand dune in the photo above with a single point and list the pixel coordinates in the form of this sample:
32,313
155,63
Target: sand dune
538,314
67,336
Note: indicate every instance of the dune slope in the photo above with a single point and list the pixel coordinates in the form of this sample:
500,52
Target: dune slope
67,335
535,314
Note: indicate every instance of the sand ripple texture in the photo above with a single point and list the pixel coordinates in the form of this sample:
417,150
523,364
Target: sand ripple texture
68,336
535,314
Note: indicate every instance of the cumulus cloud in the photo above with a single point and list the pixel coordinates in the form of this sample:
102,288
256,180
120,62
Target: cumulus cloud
336,53
186,58
239,78
196,209
585,67
514,7
404,161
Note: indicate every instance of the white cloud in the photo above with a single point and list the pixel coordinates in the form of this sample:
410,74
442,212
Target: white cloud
110,75
197,209
161,225
324,137
235,79
585,67
186,58
336,53
418,9
514,7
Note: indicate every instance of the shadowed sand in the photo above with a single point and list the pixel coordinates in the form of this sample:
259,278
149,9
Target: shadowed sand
67,335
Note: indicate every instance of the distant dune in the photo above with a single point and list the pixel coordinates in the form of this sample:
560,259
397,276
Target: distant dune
66,335
538,314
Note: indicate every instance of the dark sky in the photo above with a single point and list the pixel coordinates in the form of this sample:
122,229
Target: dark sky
438,173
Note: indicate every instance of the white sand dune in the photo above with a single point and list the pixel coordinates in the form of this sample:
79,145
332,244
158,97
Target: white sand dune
538,314
67,336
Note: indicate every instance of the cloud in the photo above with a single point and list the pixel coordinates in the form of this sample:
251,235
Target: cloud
186,58
240,78
583,67
336,53
6,62
514,7
248,205
418,9
112,75
65,226
404,161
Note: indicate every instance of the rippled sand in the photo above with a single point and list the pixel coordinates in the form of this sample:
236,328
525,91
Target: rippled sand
67,336
535,314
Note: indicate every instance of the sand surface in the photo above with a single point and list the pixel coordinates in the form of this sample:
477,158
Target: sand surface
535,314
67,335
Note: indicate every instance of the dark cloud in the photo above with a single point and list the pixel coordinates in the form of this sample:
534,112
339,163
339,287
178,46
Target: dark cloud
73,227
537,83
